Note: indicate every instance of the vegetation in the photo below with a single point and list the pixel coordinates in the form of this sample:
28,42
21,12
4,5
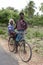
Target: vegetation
30,16
41,7
8,13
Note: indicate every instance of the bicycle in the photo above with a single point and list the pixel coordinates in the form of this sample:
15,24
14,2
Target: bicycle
25,51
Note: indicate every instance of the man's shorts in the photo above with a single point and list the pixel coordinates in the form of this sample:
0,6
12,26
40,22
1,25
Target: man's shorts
19,36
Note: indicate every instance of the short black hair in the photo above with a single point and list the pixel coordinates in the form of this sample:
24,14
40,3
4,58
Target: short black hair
21,13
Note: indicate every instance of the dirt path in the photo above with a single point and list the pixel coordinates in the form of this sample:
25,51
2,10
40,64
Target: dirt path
36,59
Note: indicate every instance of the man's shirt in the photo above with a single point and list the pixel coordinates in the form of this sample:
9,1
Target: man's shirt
20,25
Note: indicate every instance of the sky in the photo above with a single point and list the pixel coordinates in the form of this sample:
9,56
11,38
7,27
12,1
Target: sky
18,4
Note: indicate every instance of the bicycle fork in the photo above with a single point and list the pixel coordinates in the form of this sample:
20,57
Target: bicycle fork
24,47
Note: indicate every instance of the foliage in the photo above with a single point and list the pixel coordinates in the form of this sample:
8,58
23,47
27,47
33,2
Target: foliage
30,9
41,7
30,17
6,14
2,32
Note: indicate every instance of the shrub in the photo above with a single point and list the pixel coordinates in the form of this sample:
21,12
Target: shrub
36,34
2,32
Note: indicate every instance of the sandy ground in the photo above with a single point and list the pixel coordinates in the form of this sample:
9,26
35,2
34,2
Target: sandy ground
36,59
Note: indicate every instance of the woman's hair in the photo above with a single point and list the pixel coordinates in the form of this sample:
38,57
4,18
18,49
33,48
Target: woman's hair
11,20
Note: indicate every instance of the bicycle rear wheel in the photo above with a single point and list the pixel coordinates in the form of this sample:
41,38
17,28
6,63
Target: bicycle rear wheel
25,52
11,45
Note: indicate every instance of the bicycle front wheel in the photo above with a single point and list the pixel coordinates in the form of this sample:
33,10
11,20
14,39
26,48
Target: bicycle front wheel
25,52
11,45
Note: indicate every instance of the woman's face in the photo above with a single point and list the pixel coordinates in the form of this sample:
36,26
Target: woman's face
11,22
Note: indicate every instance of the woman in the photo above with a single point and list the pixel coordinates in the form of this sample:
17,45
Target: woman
11,31
11,27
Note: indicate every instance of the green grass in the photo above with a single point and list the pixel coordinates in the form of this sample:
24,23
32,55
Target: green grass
34,32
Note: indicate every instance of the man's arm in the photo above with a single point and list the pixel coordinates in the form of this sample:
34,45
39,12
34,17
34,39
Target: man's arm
15,26
26,25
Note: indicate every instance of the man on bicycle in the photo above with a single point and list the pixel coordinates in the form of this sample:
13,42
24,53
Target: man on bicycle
21,26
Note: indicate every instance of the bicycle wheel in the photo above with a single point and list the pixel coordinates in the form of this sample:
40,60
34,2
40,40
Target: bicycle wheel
25,52
11,45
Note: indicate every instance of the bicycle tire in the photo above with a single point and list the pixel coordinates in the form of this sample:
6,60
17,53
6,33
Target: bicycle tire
11,45
30,53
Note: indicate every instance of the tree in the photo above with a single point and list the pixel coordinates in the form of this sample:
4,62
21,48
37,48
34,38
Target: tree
6,14
11,8
41,7
30,9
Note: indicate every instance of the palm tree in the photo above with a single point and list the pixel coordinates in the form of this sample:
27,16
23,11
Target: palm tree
30,9
41,7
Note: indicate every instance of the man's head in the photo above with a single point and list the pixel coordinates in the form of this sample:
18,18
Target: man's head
11,21
21,15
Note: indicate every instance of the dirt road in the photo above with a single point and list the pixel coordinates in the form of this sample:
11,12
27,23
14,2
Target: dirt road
36,59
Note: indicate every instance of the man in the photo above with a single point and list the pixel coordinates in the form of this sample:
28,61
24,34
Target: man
21,26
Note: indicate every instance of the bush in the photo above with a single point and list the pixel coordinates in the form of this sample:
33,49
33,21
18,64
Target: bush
2,32
36,34
7,14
